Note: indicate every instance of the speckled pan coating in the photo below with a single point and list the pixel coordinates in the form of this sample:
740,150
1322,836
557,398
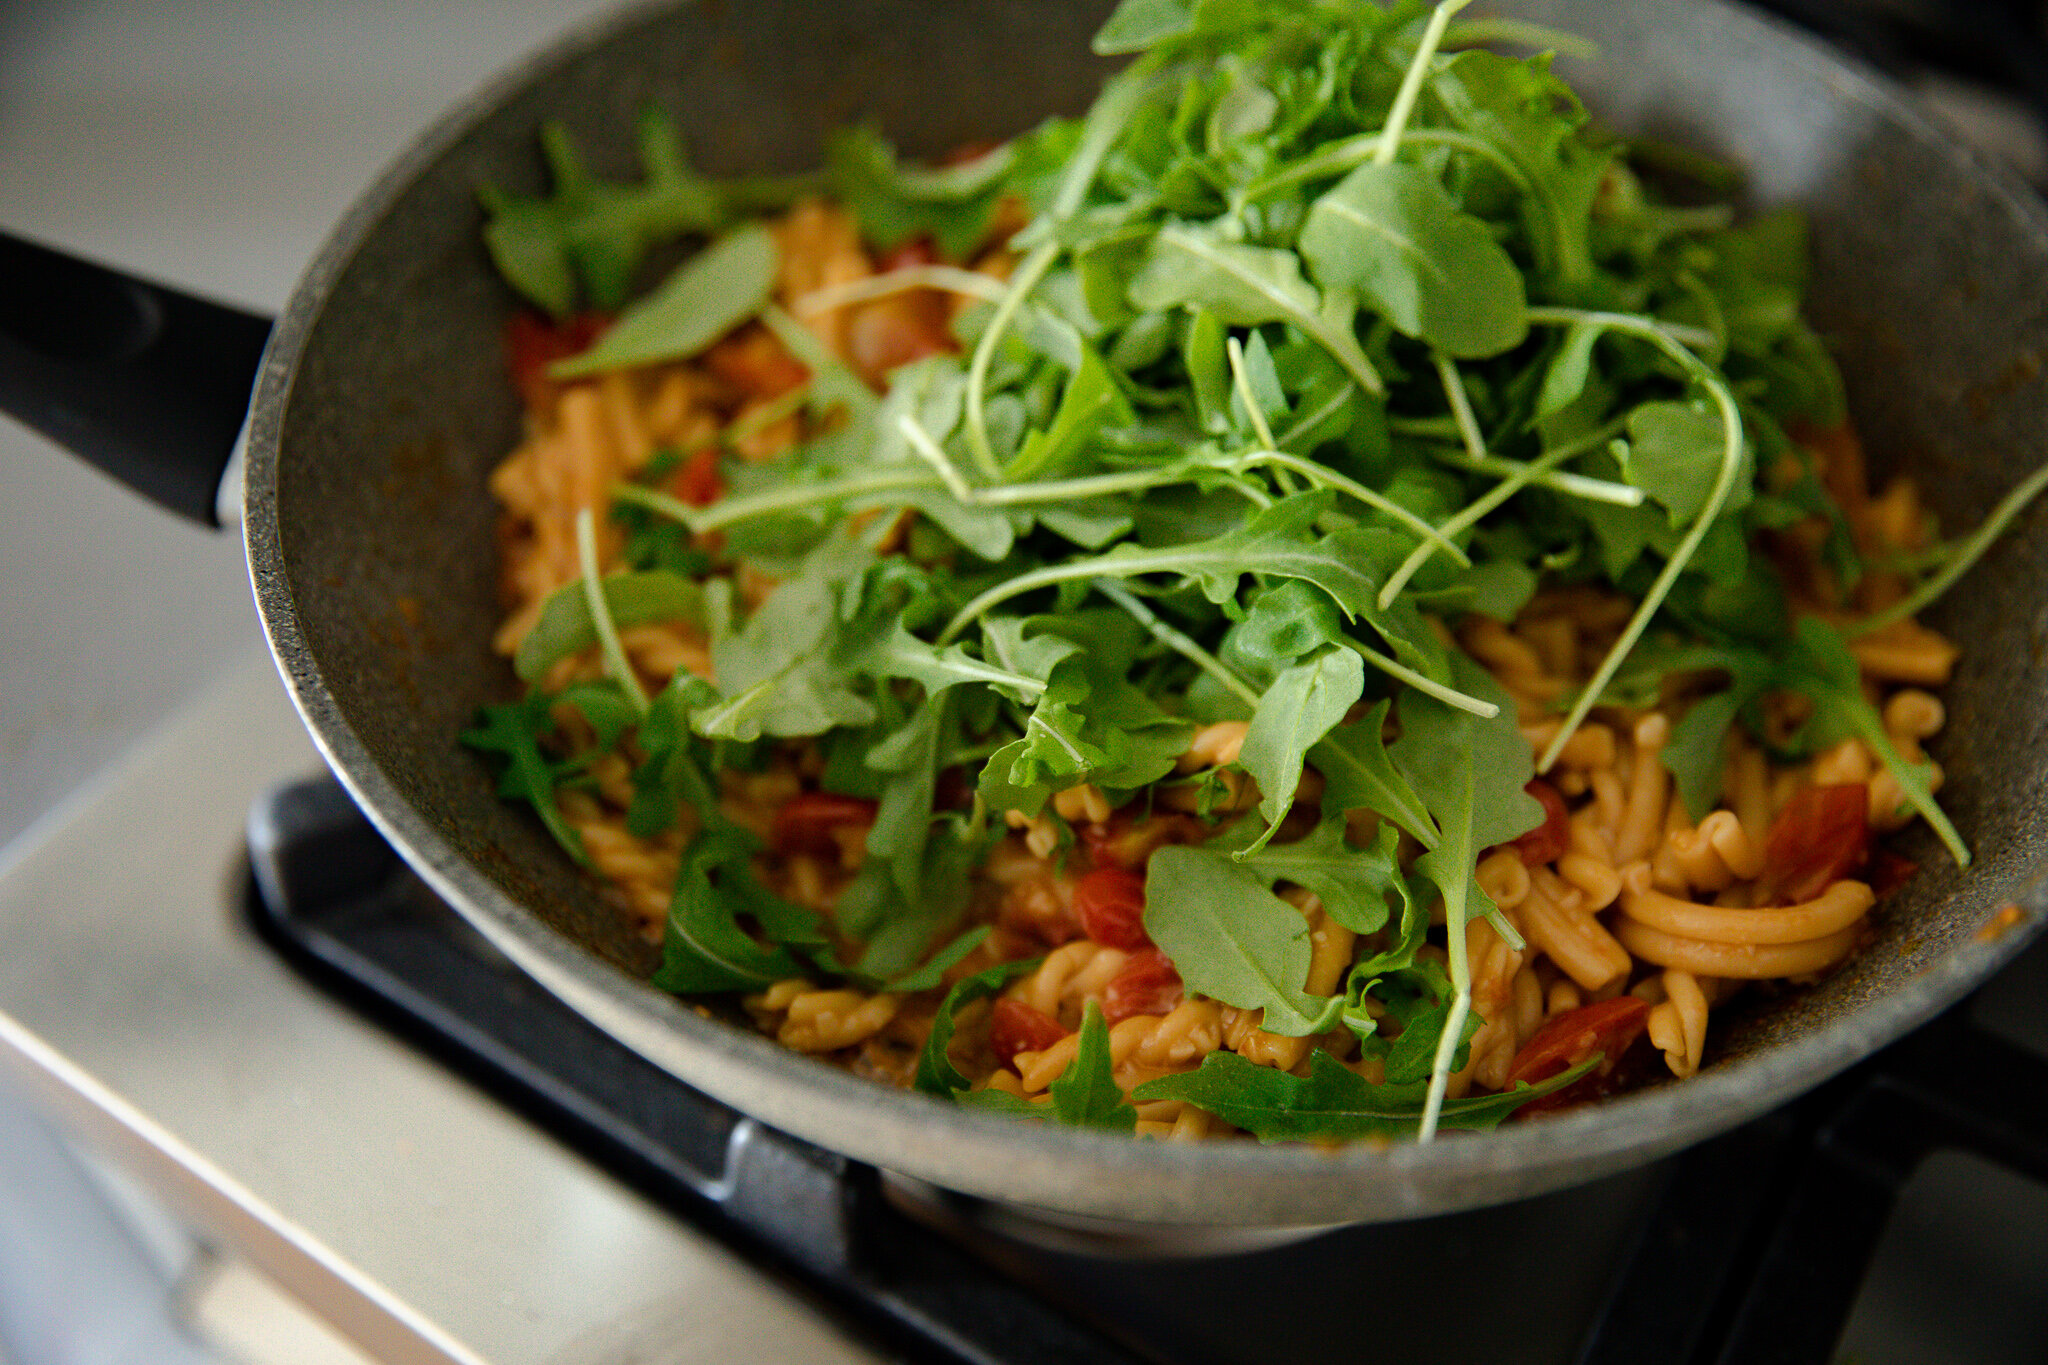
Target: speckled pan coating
383,402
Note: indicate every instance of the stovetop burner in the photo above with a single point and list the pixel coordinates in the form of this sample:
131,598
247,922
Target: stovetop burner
1749,1248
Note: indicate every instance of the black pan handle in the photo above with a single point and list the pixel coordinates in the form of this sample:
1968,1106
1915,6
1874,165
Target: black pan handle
149,384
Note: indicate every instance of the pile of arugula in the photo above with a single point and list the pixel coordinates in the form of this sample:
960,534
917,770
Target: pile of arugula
1326,322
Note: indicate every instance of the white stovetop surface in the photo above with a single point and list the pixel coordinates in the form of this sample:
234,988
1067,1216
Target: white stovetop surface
210,144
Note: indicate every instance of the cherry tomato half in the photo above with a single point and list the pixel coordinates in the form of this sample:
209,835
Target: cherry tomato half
1111,905
697,482
1148,984
1607,1027
1820,836
1547,842
806,821
533,342
1016,1027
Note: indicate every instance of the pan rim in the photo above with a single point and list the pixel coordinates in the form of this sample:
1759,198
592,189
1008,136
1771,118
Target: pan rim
988,1155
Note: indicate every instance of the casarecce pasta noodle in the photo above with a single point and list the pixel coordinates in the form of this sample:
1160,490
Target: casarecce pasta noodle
1102,653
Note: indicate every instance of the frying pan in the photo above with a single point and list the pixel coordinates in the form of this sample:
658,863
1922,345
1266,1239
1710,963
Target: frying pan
381,401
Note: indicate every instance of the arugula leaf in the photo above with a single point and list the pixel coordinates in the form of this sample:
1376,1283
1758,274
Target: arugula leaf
1332,1103
909,759
1243,286
1822,668
1353,883
513,731
1233,940
1393,236
1208,368
594,230
564,626
1086,1093
1419,996
1304,703
1470,773
898,932
704,948
1091,400
1286,621
928,976
1533,119
707,296
777,673
895,203
1674,454
936,1074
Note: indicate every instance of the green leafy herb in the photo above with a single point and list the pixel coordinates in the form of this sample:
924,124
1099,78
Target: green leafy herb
1332,1103
1392,235
936,1074
1304,704
1233,940
708,295
635,599
1086,1093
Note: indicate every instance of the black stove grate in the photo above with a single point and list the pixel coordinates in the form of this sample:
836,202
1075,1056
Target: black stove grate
1748,1249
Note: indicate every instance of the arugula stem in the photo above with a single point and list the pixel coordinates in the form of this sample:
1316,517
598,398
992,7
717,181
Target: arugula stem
1966,554
1870,729
1520,33
731,510
763,417
1461,405
921,442
1329,478
1449,696
615,661
950,278
800,342
1127,567
1429,428
1028,274
1447,1043
1106,121
1178,642
1243,384
1470,515
1092,486
1411,84
1698,338
1654,332
1338,158
1556,480
1309,421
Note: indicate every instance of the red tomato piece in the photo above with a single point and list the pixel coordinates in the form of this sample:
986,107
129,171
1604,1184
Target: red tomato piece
914,251
1820,836
755,363
1608,1027
1547,842
533,342
1148,984
806,822
1016,1027
1111,906
893,331
1888,871
696,482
